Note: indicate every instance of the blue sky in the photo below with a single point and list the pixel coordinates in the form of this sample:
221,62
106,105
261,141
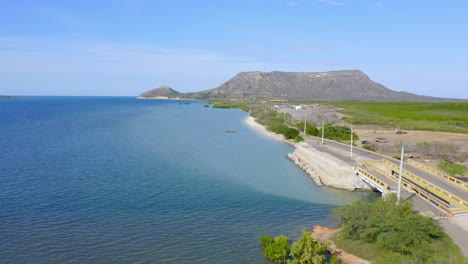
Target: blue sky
124,47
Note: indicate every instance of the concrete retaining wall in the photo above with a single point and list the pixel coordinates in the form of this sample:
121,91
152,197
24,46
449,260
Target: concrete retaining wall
325,169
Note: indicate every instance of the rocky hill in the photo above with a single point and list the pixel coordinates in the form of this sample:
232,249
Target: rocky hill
163,92
347,85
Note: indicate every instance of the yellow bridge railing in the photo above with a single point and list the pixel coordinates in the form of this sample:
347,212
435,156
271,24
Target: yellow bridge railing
451,198
373,178
435,172
419,189
372,164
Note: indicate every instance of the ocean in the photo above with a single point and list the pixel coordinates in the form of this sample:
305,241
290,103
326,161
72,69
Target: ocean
121,180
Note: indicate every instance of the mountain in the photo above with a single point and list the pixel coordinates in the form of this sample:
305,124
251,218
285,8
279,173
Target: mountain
163,92
346,85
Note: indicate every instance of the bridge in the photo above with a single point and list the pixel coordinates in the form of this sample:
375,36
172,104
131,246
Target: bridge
445,193
383,174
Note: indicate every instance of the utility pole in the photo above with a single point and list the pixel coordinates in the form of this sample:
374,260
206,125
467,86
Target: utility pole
401,171
323,129
305,122
351,155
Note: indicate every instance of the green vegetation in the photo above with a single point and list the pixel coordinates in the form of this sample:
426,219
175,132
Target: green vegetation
298,138
448,117
232,104
370,147
310,129
276,249
207,105
338,132
278,124
305,250
452,168
389,232
275,123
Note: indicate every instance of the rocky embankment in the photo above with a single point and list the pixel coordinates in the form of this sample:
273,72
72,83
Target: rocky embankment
326,169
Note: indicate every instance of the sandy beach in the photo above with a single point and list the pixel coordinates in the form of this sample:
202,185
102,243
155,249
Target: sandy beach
261,130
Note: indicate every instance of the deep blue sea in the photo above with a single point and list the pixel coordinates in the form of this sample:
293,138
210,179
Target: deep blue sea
121,180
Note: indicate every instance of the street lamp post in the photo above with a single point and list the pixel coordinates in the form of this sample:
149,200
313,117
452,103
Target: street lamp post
305,122
401,171
351,154
323,129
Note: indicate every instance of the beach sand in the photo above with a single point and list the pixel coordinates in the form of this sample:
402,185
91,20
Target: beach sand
261,130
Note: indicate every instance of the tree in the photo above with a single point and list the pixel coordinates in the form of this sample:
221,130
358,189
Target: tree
306,250
396,230
310,129
276,249
290,133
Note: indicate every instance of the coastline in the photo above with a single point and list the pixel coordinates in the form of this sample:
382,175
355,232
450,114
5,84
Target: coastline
261,130
322,234
455,228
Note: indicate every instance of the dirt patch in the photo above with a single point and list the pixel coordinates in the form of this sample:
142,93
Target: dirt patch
413,137
324,234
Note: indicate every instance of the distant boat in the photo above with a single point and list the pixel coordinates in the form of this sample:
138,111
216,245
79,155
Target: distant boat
230,131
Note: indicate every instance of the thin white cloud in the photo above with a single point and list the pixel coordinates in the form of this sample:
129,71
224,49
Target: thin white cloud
90,64
331,2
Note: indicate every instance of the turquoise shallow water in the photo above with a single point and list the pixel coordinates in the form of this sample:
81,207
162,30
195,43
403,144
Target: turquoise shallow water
120,180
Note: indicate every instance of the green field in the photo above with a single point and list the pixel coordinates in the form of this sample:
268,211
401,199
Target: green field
447,117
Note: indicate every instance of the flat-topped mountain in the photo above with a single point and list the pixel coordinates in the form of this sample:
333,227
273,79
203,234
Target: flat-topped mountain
163,92
346,85
349,85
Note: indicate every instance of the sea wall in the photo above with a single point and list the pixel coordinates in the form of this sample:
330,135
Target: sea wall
324,168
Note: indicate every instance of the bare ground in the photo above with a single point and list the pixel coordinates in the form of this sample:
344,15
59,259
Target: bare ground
324,234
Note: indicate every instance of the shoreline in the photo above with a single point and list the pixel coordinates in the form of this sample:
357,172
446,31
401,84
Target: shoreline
262,131
456,228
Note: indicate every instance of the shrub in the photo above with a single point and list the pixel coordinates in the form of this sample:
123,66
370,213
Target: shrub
307,250
266,240
338,132
452,168
276,249
396,230
290,133
310,129
298,138
370,147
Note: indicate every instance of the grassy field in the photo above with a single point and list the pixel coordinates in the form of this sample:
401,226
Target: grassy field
446,117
